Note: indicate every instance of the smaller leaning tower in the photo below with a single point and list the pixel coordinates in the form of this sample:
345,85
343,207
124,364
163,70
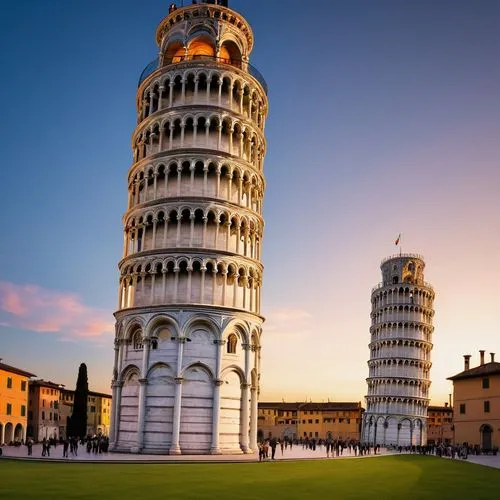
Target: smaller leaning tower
400,354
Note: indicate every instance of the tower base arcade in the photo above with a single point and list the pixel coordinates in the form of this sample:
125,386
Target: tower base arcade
394,430
185,381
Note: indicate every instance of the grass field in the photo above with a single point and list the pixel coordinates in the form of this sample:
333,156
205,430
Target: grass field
406,477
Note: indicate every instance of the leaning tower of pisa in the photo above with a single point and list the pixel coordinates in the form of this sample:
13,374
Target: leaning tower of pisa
400,354
188,324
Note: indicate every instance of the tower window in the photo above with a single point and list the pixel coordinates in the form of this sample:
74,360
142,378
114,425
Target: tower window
231,344
462,409
486,407
486,383
395,280
137,341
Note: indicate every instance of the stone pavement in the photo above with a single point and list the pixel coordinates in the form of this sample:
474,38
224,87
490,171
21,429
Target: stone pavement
297,453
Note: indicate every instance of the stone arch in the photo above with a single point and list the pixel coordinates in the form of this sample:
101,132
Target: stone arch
486,434
239,328
8,433
131,327
231,404
174,50
196,409
160,394
202,320
18,433
129,404
156,323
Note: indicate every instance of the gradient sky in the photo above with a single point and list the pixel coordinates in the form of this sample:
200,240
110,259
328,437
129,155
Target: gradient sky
384,118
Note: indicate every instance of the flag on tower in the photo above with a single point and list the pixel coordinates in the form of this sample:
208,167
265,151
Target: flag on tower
398,239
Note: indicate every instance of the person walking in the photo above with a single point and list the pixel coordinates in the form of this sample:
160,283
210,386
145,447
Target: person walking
273,443
65,448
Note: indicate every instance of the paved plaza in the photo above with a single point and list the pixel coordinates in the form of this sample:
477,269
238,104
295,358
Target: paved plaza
296,453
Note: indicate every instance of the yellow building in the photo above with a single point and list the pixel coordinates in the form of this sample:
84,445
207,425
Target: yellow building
311,420
13,403
440,424
277,419
476,407
98,412
43,409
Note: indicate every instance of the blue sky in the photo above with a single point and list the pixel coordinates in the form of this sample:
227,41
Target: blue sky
384,118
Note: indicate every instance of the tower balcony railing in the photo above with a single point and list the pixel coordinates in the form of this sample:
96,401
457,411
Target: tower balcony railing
235,63
424,284
404,256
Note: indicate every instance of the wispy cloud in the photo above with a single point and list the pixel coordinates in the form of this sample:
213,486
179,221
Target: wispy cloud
34,308
287,321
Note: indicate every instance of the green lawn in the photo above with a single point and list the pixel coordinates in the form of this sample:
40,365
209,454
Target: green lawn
406,477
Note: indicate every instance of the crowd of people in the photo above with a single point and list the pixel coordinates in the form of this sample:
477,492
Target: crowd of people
330,447
93,444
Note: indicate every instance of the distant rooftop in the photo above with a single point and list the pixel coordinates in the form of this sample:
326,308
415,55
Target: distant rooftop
17,371
332,406
478,371
46,383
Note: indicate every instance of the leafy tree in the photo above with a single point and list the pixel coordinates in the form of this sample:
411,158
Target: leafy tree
77,425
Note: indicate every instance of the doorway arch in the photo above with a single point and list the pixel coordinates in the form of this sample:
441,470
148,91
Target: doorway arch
486,436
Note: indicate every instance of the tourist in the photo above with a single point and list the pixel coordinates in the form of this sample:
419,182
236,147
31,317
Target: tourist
273,443
29,445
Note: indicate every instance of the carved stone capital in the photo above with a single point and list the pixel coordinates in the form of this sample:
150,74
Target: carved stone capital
143,381
179,380
244,386
218,382
219,342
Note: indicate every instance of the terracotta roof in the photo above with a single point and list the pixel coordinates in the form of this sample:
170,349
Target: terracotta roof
330,406
440,408
45,383
15,370
99,394
279,406
91,393
478,371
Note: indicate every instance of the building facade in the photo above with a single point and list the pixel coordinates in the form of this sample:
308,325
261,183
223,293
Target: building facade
476,403
98,412
43,409
13,403
400,354
188,326
311,420
440,427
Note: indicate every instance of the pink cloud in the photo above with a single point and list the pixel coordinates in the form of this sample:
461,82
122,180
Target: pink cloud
48,311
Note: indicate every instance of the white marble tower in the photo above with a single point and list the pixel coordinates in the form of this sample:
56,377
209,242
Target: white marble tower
400,354
188,325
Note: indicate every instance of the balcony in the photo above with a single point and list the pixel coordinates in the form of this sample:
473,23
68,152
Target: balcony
418,284
219,61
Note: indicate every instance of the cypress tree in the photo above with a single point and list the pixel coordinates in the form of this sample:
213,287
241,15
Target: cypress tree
78,422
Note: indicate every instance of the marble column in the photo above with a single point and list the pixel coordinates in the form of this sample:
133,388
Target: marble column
175,448
215,448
